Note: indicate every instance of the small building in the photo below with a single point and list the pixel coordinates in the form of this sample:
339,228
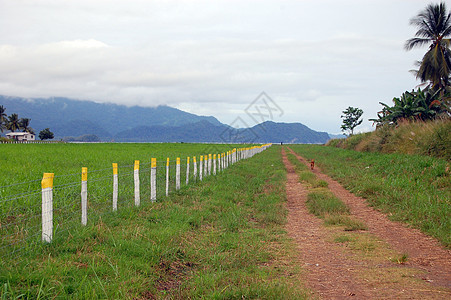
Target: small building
21,136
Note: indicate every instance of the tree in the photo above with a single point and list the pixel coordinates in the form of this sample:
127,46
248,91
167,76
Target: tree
2,118
420,105
25,125
434,27
13,122
45,134
351,118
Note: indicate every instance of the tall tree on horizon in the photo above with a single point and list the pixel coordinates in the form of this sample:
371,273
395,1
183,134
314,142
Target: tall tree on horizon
24,124
351,119
2,118
13,122
434,27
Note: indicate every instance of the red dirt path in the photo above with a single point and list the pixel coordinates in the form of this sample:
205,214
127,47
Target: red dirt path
336,272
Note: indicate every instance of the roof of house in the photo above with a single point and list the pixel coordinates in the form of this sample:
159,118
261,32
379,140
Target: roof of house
18,133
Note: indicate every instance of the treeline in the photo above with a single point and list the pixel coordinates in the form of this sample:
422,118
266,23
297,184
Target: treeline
13,123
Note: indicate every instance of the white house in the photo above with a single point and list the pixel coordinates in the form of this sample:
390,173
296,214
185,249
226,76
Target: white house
21,136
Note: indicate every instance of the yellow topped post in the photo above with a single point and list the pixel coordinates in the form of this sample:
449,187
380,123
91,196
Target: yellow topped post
47,207
177,174
84,196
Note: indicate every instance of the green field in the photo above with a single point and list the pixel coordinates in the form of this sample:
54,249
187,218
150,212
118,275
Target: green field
220,238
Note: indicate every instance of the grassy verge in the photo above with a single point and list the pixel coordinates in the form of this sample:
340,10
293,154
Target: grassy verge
410,188
423,138
222,238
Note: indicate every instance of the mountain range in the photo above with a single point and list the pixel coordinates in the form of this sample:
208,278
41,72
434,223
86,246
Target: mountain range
68,118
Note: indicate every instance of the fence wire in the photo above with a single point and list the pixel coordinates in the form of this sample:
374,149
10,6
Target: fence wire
21,223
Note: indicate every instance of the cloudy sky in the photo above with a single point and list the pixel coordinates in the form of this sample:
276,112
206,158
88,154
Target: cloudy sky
313,58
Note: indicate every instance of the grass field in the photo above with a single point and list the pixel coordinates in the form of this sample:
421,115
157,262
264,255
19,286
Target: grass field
22,163
221,238
410,188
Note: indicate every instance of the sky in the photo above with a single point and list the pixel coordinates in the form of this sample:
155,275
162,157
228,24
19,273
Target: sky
311,58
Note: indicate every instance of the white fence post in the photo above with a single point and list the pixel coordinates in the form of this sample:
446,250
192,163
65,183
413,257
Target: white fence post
136,179
153,180
47,207
201,163
187,170
167,176
195,168
115,186
214,164
84,196
209,164
227,159
177,174
206,165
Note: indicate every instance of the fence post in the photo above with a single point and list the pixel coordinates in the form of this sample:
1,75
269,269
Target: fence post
214,164
136,178
209,164
187,170
84,196
206,165
177,174
115,186
167,176
195,168
47,207
201,163
219,162
153,180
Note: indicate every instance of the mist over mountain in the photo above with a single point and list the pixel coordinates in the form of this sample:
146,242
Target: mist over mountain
119,123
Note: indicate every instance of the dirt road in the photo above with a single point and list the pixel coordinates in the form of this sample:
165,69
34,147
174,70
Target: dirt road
370,264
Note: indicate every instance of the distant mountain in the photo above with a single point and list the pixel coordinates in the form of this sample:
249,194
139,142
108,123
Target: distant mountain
76,120
267,132
67,117
270,132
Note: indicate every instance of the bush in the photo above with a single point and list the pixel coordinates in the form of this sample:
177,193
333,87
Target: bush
5,140
408,137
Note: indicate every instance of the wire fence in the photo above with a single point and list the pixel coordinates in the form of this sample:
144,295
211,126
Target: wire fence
34,213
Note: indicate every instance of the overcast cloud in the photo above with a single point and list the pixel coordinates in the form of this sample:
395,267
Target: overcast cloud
314,58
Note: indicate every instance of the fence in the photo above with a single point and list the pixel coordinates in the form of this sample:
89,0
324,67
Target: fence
12,141
31,216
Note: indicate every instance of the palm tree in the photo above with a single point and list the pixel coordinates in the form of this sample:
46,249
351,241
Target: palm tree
434,27
24,124
13,123
2,118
